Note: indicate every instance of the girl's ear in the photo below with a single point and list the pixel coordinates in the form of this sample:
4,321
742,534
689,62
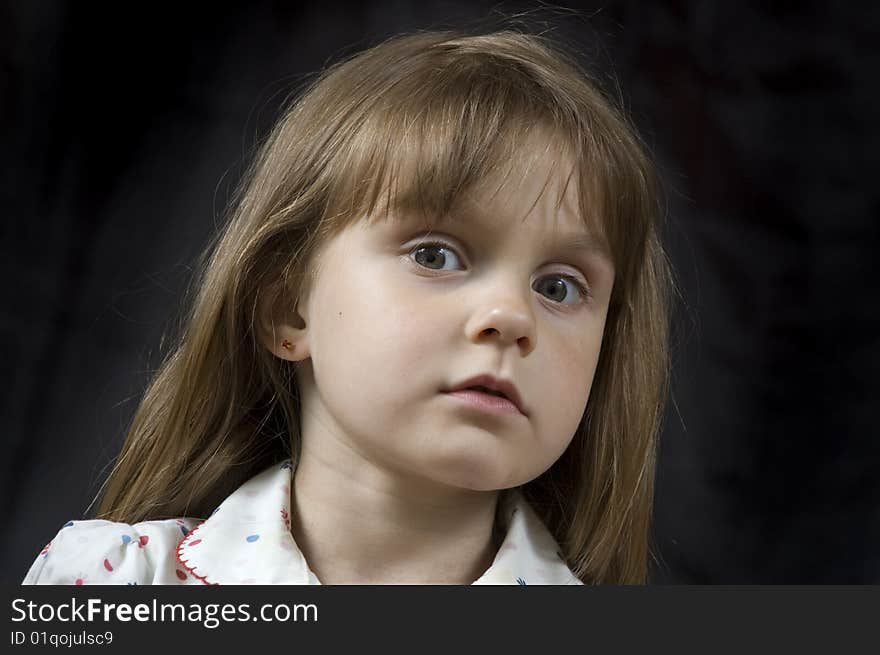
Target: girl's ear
283,331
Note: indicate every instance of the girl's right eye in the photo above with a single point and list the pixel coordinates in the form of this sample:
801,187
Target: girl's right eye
433,255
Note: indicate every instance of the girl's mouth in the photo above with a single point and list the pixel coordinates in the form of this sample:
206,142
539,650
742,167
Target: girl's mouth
485,400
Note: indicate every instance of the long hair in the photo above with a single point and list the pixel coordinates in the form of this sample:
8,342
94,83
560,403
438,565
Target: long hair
416,121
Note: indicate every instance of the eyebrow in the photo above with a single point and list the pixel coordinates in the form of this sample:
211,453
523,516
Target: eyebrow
580,243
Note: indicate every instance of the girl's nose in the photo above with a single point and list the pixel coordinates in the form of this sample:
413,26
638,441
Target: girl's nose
506,317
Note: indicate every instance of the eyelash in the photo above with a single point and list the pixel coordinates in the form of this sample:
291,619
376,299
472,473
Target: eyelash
580,286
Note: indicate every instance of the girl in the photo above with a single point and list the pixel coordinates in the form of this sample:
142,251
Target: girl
429,347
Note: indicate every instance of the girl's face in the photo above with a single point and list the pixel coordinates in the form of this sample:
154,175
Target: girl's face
399,313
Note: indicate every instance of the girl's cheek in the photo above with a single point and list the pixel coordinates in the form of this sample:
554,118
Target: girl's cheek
579,366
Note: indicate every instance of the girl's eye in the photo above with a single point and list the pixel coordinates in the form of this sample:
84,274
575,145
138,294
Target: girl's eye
556,288
434,256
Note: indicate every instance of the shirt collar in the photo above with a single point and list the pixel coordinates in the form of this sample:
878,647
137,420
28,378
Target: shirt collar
247,540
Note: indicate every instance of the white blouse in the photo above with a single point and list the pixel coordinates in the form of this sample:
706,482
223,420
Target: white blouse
247,540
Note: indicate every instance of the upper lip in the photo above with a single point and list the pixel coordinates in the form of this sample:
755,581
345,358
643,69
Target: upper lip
506,387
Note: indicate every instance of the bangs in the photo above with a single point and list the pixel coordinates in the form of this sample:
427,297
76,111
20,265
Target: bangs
453,121
433,178
424,153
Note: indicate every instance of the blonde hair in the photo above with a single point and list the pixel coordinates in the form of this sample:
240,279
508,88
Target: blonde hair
415,122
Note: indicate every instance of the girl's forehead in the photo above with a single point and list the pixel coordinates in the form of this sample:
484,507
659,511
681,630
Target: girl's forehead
538,190
525,203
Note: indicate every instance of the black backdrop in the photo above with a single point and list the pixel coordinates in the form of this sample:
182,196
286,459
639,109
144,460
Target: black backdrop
123,134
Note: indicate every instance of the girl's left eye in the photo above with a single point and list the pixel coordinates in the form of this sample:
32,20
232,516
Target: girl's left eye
434,255
559,283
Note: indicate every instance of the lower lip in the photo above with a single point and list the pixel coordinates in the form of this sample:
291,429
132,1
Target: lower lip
485,401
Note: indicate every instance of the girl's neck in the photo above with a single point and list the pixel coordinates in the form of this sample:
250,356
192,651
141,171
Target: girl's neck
356,523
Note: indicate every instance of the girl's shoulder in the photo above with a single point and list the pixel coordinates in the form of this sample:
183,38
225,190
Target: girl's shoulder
106,552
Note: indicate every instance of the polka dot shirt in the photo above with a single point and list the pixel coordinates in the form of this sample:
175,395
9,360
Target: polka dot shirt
247,540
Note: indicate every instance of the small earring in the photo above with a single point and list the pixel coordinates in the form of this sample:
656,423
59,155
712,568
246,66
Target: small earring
286,344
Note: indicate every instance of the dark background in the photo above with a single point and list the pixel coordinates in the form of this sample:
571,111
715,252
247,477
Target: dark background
123,135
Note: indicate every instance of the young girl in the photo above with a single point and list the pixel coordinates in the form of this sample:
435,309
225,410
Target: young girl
429,347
